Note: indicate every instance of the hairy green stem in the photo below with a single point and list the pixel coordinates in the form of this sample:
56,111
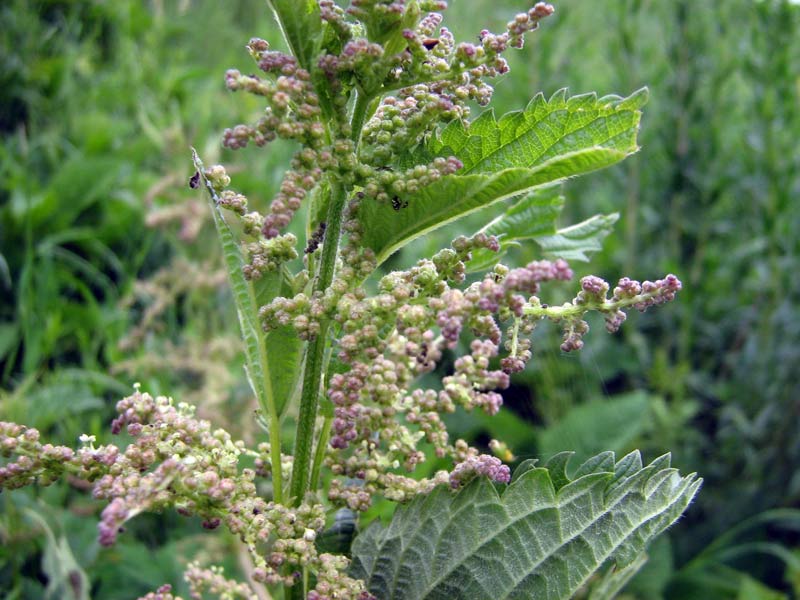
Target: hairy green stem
361,111
569,310
515,338
315,352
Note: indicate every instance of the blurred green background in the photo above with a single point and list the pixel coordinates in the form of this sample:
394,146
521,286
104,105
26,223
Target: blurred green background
109,272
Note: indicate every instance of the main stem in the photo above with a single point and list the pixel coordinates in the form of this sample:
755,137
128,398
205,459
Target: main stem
315,351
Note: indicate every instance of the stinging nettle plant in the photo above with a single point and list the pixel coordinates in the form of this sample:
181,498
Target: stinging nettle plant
377,97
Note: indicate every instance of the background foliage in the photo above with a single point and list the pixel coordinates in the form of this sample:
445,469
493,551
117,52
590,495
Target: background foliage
108,266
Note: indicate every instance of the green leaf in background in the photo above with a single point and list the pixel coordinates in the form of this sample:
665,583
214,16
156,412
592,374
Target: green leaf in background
614,423
5,273
651,581
708,574
65,578
547,142
543,537
752,589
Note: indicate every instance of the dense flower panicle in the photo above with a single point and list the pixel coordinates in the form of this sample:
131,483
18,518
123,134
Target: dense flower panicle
391,338
176,460
293,113
268,252
267,255
212,580
402,121
386,185
33,462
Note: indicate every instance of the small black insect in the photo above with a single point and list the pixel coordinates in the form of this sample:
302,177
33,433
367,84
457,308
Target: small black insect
422,357
316,238
194,180
430,43
397,204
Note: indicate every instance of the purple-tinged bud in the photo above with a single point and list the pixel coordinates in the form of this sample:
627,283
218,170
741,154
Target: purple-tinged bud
484,464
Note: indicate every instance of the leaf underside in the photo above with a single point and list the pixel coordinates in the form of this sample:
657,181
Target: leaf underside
543,537
300,23
271,358
549,141
533,218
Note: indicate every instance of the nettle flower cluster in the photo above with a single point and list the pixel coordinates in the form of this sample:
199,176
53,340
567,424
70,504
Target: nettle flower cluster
389,339
178,461
387,77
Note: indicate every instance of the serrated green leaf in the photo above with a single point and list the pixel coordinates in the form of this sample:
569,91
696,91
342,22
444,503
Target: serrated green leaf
575,241
301,25
525,466
547,142
533,215
270,382
544,130
532,218
450,198
533,541
613,580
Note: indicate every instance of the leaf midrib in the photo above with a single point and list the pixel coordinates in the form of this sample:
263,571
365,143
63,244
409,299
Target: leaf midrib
487,179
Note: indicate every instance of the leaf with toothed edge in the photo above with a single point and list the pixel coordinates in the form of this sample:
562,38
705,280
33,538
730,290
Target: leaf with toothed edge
301,26
543,536
270,358
550,141
532,218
